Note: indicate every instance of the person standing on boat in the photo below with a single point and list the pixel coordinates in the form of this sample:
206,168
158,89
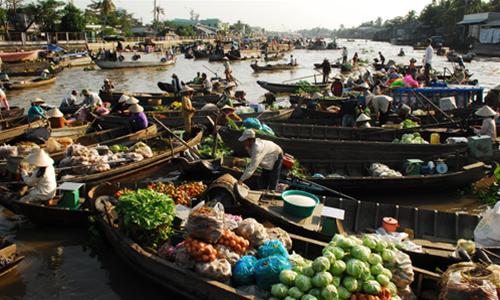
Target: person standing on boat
355,59
382,58
327,69
36,112
264,154
381,105
138,119
344,55
187,108
363,121
176,84
488,127
206,84
429,52
228,70
56,118
69,101
43,178
4,103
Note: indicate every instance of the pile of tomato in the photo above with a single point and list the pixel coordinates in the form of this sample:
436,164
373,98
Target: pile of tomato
181,194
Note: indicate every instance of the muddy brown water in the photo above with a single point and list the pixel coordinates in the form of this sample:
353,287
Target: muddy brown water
64,263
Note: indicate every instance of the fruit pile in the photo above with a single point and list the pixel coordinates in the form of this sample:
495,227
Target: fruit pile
230,239
121,192
181,194
200,251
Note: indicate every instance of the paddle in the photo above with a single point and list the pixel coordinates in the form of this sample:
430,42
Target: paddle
319,186
178,138
433,105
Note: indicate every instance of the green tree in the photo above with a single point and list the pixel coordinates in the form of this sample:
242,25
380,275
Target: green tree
72,19
46,13
104,8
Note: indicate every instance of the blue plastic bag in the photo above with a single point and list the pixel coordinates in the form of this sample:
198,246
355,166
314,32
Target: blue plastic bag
272,247
244,271
252,123
267,129
267,271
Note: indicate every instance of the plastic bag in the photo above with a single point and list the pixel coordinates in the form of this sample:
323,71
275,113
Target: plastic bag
227,254
467,281
53,146
219,269
252,123
402,270
183,259
142,149
267,270
267,129
206,223
486,233
276,233
253,231
231,222
244,271
272,247
7,151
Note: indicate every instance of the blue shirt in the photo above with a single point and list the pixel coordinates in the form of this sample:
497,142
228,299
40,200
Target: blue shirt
35,112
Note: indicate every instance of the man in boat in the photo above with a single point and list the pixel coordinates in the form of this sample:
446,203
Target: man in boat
344,55
42,179
492,99
198,79
381,106
4,103
355,59
107,86
69,101
348,111
45,74
228,70
327,69
264,154
138,119
488,126
176,84
429,52
382,58
363,121
206,84
91,99
36,112
401,52
56,118
226,98
404,112
188,110
293,61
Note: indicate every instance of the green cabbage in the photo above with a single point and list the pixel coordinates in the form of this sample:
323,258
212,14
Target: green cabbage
288,277
331,257
383,280
295,292
336,281
355,267
372,287
298,269
308,297
369,241
350,283
322,279
387,273
290,298
321,264
279,290
392,288
376,269
337,251
315,292
360,252
343,293
345,243
375,259
388,256
381,245
303,283
329,292
309,271
338,267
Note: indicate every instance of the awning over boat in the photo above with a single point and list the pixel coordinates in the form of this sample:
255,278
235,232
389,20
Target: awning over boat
474,19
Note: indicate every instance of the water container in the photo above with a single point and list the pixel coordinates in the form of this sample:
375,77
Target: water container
435,138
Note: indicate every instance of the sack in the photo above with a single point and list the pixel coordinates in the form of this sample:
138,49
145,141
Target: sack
244,271
7,151
227,254
467,281
53,146
206,223
253,231
183,259
219,269
276,233
267,270
402,270
486,233
272,247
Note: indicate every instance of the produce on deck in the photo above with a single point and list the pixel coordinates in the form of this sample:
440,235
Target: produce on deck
181,194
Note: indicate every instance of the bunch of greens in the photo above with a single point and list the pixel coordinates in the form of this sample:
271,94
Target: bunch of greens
206,148
490,192
304,87
407,123
146,216
297,170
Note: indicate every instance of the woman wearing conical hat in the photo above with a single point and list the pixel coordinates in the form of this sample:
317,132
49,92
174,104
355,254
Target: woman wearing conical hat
56,118
488,127
43,178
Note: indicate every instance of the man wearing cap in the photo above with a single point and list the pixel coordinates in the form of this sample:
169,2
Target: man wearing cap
69,101
488,127
138,119
36,112
429,52
228,70
187,108
264,154
43,178
90,99
381,106
56,118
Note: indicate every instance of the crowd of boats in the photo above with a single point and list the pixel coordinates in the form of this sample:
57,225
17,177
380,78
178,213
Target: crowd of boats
370,129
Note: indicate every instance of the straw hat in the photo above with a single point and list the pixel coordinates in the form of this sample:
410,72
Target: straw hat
364,85
132,100
485,112
363,118
40,158
55,113
317,96
247,134
38,100
186,89
225,58
123,98
45,71
227,107
135,108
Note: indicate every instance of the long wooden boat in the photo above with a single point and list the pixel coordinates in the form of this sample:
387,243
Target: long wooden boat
8,250
272,68
275,57
200,54
107,64
198,88
287,88
150,99
28,84
160,157
19,56
70,131
30,68
7,135
336,65
348,150
9,118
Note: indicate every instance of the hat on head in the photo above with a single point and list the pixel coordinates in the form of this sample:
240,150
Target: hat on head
39,158
485,112
227,107
55,113
225,58
363,118
247,134
123,98
45,71
317,96
106,80
187,89
364,85
132,101
38,100
135,108
412,60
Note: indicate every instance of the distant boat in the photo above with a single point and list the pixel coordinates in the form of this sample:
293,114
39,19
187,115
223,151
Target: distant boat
19,56
134,61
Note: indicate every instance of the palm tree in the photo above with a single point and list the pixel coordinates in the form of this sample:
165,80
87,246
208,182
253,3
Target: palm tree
105,8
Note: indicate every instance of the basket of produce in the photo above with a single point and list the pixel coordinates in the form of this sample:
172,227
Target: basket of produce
299,204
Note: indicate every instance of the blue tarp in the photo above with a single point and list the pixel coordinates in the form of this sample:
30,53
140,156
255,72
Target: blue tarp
54,48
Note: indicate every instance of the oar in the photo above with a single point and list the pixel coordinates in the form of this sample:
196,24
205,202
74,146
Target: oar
434,105
178,138
334,192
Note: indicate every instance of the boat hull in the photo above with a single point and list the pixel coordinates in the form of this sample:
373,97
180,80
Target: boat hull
105,64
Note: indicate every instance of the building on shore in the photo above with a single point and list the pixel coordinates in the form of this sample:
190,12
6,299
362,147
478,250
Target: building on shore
482,32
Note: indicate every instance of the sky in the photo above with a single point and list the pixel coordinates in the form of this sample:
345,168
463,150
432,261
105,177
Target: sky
277,15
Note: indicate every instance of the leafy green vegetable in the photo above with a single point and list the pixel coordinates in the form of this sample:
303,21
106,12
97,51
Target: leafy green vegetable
306,87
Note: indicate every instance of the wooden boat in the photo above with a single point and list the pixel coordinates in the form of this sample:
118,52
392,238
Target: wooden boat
19,56
287,88
155,99
73,131
76,60
166,153
8,251
41,213
275,57
14,111
108,64
383,152
272,68
198,88
7,135
30,68
200,54
336,65
30,83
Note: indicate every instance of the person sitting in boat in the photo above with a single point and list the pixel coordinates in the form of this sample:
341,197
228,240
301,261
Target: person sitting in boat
121,105
4,103
107,86
405,112
412,68
227,96
228,70
240,96
227,113
45,74
36,112
188,110
381,106
138,119
91,99
176,84
42,179
363,121
488,126
206,84
56,118
197,79
492,99
401,52
69,101
264,154
326,67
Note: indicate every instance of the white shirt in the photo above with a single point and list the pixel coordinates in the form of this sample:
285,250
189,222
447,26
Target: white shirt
69,100
44,187
429,52
207,85
488,128
264,154
381,103
92,100
227,67
344,52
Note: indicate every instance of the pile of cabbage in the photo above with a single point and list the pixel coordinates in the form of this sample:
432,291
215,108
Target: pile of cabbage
411,138
348,266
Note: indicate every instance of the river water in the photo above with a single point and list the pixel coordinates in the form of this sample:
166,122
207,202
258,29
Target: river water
64,263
